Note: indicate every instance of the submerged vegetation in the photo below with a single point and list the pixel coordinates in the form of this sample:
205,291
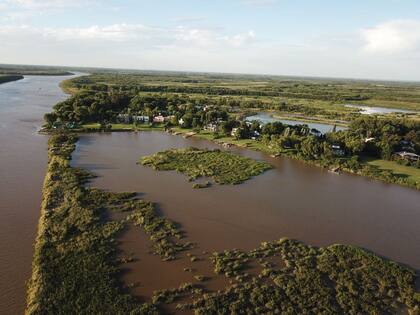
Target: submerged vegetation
223,166
337,279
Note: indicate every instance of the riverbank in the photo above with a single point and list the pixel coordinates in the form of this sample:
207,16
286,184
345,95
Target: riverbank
363,168
403,177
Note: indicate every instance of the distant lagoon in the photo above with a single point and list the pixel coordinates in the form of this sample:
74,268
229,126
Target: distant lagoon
371,110
268,118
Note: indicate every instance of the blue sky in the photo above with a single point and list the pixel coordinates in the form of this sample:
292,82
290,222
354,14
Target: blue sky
358,39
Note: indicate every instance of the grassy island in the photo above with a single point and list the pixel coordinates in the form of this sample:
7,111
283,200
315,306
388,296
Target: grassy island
223,166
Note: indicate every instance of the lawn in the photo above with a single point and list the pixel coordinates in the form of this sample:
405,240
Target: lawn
411,172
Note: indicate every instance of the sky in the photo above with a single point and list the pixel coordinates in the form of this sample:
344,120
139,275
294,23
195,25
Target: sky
373,39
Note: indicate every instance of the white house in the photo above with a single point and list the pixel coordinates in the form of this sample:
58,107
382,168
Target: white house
408,156
159,119
234,132
212,127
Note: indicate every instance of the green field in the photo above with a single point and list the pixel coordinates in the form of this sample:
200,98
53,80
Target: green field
410,172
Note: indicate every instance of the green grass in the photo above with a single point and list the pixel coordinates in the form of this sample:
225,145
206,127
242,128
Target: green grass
409,172
224,167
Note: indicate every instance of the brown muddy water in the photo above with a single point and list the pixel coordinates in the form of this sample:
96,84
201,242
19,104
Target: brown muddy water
23,159
292,200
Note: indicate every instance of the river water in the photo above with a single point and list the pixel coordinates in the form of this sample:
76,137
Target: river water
23,157
291,200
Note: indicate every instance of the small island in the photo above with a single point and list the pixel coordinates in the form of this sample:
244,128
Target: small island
222,166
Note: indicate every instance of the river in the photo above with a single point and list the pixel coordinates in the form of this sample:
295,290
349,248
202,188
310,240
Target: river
23,156
291,200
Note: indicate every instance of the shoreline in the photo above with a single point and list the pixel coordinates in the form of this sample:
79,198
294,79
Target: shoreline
256,146
10,78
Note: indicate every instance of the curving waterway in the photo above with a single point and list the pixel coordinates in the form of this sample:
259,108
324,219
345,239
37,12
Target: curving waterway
23,160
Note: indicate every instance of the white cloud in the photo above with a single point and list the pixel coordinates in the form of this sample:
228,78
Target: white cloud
241,39
260,2
393,37
132,34
46,4
115,32
212,38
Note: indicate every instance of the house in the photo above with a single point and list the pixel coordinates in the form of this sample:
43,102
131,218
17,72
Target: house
124,118
408,156
169,118
407,145
337,150
141,119
181,122
159,119
212,127
316,132
234,132
255,135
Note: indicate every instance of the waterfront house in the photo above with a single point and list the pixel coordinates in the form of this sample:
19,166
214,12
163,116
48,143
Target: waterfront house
211,127
408,156
407,145
169,118
141,119
255,135
337,150
124,118
181,122
159,119
316,132
234,132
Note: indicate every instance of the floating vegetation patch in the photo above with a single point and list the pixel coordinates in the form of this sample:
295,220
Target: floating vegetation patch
223,166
